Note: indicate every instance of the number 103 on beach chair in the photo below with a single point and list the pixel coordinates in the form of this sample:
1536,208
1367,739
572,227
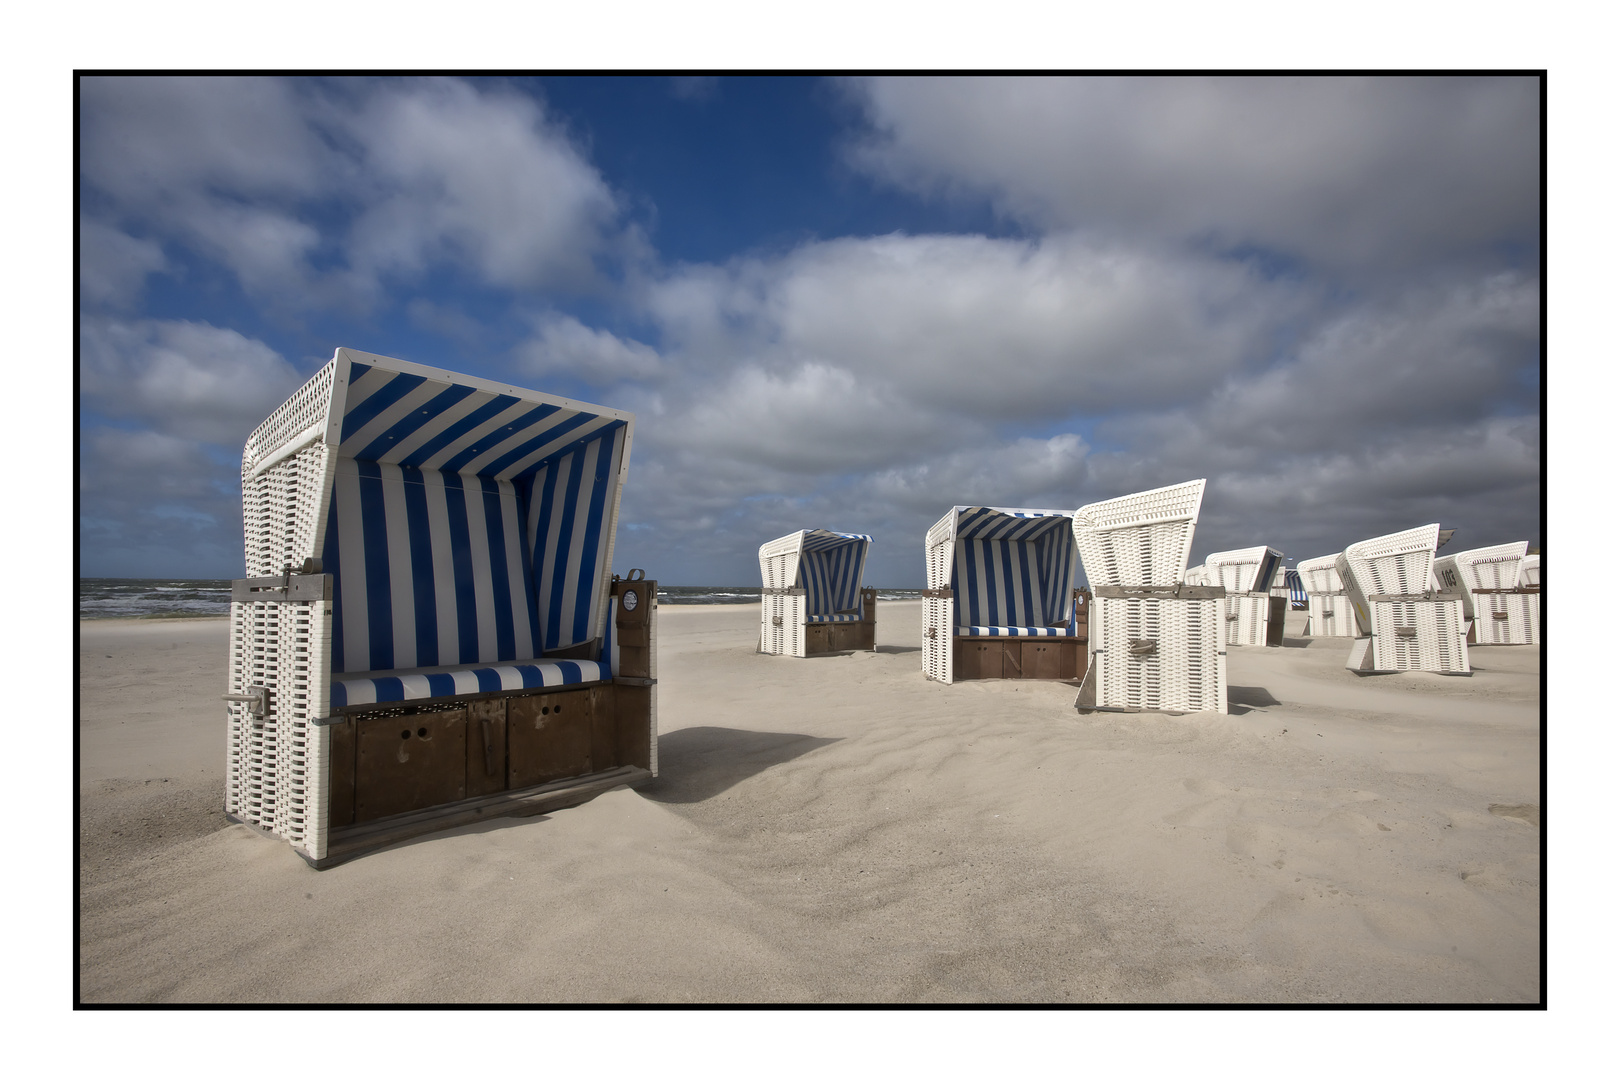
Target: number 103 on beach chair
429,633
1414,625
812,600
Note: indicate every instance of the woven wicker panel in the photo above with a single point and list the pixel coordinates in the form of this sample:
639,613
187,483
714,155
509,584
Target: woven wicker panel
1141,539
1320,575
1397,564
1437,644
938,619
794,610
1507,619
308,407
1332,616
1530,572
1245,617
1185,672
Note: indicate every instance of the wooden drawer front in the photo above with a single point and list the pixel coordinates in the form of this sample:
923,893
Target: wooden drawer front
980,658
548,737
1053,659
817,639
409,763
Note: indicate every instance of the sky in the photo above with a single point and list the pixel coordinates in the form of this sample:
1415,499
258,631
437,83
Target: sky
845,303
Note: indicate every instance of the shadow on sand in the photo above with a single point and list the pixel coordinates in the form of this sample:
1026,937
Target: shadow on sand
1241,699
698,763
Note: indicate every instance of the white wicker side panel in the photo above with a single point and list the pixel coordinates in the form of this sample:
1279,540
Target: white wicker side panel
794,613
772,628
1419,635
652,673
243,767
1332,616
1507,619
1184,672
1245,618
938,617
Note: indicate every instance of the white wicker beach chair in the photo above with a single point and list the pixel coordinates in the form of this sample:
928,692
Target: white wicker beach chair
1501,610
812,601
1331,612
1001,601
1156,641
429,631
1256,603
1414,626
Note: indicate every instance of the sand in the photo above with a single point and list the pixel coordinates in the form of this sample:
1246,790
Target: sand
840,830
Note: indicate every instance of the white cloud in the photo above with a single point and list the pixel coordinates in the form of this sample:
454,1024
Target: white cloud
316,194
562,344
478,177
992,330
1343,171
185,379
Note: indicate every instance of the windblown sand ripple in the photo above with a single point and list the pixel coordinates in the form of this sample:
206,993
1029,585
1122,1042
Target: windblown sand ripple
837,829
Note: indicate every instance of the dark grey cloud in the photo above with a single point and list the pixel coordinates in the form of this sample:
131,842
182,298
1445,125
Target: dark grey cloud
1357,174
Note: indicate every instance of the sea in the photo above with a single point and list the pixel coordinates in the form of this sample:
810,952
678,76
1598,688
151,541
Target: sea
169,598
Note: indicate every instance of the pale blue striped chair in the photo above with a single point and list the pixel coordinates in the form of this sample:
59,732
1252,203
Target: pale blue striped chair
812,600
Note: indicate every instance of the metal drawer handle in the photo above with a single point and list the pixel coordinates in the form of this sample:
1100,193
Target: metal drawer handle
1499,615
776,620
1406,631
1143,648
257,698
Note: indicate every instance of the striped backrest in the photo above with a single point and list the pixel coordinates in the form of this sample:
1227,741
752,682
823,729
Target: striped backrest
469,522
830,568
1013,568
568,502
429,569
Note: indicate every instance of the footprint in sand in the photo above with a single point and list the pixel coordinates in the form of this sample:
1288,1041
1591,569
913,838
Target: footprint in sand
1528,813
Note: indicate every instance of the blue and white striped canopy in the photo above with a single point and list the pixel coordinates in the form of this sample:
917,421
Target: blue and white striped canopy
468,523
1011,568
409,418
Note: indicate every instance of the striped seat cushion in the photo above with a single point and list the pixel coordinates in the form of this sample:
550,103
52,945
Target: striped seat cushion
1016,631
376,688
832,618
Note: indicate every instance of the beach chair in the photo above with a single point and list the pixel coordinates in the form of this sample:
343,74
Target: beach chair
1501,611
1414,625
1294,588
812,601
429,632
1157,642
1254,609
1331,614
1001,601
1530,578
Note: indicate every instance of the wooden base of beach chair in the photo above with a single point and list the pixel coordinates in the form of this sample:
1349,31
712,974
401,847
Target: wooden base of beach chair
839,637
1019,658
353,841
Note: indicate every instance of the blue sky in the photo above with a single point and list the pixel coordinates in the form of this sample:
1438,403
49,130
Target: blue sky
839,303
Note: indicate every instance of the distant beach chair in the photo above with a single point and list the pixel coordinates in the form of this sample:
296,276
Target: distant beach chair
429,633
1414,625
1157,640
1294,586
1254,613
1530,578
1331,614
1501,610
1001,601
812,601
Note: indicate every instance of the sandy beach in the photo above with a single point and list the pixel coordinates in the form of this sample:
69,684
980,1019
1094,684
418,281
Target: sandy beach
839,830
